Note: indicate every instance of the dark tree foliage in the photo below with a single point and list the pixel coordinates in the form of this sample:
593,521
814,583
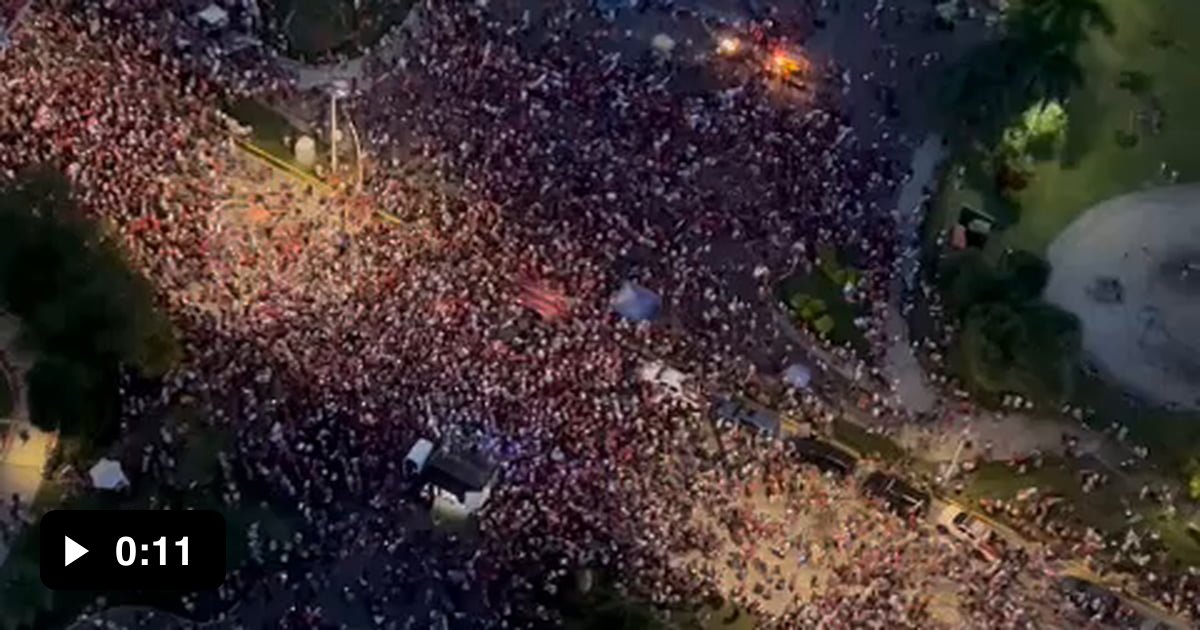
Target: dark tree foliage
1028,348
1035,60
83,311
968,279
1010,341
606,609
1024,275
1192,470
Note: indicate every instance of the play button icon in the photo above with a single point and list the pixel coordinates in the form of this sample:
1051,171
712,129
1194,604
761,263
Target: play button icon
72,551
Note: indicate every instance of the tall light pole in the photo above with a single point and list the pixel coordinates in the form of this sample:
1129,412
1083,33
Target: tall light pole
357,153
337,89
953,466
333,97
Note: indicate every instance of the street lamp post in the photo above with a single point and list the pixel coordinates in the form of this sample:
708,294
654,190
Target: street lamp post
337,89
953,466
357,154
333,97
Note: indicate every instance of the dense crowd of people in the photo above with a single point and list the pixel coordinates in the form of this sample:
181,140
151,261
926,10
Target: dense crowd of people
512,160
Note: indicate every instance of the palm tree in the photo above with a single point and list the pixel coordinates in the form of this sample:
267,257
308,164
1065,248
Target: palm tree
1066,21
988,88
1034,61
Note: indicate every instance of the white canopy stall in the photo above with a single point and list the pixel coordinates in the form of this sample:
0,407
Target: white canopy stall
418,455
108,475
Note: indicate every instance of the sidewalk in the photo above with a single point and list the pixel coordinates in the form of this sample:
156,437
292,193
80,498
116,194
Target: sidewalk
25,448
900,363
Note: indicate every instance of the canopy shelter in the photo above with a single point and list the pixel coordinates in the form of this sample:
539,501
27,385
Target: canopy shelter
798,375
418,456
213,16
636,303
663,43
108,475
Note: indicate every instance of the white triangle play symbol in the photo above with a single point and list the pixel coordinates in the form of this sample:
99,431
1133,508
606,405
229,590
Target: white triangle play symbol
72,551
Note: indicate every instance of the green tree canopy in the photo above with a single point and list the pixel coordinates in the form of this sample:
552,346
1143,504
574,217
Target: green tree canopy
1029,348
1065,21
968,279
607,609
1023,275
1035,60
1192,469
1011,341
83,311
72,396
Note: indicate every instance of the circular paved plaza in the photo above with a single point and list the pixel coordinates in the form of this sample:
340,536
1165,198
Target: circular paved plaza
1130,269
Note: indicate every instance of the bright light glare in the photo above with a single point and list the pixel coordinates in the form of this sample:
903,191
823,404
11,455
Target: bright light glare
728,45
783,63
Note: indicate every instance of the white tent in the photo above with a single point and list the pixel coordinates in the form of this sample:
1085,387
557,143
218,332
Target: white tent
107,475
214,16
417,456
663,43
798,375
636,303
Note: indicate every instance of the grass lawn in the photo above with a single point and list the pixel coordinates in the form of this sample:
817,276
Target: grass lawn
269,128
866,443
1101,508
1174,535
997,480
819,286
1155,37
1171,436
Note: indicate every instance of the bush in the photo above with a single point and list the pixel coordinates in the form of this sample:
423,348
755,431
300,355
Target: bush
1037,134
813,309
832,268
605,608
1011,341
824,325
967,279
1027,348
1193,472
